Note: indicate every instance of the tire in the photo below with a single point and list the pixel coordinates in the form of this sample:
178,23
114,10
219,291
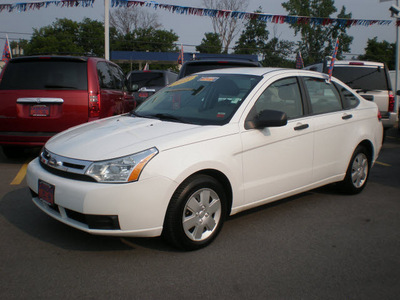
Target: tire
196,213
357,172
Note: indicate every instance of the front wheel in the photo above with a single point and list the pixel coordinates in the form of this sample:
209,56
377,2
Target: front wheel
357,172
196,213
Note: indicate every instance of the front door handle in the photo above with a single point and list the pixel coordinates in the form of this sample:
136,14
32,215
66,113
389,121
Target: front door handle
346,116
301,127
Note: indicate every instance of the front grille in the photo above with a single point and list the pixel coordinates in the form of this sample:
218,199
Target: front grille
64,174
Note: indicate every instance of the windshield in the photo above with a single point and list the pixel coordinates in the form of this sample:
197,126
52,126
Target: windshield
200,99
363,78
45,74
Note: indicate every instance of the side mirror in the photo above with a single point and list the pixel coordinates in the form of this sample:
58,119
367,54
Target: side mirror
398,93
267,118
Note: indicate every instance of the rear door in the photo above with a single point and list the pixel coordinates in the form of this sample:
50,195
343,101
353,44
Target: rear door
43,95
334,128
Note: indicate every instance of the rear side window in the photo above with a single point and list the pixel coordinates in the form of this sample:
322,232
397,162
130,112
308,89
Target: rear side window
362,78
349,99
45,74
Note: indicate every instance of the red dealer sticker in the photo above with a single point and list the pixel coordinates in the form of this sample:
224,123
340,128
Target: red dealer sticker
46,192
39,111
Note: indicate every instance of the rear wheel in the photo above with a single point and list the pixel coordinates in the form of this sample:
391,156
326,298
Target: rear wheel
196,213
357,172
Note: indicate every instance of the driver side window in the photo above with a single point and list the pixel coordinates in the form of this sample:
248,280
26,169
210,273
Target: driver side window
282,95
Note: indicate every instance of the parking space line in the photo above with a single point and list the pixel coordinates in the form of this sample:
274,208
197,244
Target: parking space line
21,175
382,164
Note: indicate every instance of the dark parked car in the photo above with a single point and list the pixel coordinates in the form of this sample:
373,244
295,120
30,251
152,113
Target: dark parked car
195,66
146,82
43,95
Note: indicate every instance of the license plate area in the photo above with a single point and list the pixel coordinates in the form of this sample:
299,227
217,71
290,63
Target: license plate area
39,111
46,192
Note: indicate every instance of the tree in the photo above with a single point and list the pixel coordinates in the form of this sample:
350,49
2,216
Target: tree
60,37
65,36
227,28
91,36
253,39
149,39
211,43
380,51
318,41
126,20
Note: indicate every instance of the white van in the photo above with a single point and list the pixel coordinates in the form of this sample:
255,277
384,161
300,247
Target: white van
371,80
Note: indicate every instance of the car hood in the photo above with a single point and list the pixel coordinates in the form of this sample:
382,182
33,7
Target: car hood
123,135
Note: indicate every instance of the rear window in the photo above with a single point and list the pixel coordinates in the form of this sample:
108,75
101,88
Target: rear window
147,79
45,74
364,78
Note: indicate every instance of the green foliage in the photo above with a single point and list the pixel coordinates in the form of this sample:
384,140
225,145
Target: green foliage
59,38
277,53
253,38
317,41
211,43
91,37
146,39
380,51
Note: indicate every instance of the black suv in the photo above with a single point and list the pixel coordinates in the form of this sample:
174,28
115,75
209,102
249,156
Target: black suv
195,66
146,82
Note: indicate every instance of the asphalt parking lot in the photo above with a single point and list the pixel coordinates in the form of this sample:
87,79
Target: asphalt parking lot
317,245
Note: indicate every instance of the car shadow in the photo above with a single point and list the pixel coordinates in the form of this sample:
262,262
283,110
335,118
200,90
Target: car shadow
18,209
22,156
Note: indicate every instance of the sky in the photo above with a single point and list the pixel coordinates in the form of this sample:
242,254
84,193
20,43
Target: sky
191,29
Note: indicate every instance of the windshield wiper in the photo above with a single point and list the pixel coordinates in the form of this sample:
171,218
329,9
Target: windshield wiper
167,117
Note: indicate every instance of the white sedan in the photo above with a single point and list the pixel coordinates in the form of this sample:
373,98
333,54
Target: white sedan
207,146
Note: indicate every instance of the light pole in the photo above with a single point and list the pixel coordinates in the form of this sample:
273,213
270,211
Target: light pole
395,10
107,29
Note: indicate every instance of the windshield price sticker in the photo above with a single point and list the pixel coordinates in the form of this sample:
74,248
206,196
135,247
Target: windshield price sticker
208,79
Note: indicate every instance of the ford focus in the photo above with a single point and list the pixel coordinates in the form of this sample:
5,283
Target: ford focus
206,147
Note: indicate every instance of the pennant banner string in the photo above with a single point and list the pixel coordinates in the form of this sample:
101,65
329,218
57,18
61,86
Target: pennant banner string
278,19
31,5
214,13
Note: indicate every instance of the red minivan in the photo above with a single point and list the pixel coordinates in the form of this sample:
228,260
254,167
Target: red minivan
43,95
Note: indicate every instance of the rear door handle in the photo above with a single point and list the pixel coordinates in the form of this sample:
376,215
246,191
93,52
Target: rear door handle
346,116
301,127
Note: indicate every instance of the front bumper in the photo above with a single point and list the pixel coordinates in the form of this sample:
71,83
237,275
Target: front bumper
134,209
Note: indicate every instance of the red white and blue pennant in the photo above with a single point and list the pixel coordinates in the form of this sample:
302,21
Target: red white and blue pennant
277,19
32,5
204,12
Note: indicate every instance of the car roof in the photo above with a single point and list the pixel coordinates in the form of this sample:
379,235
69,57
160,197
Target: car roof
262,71
222,60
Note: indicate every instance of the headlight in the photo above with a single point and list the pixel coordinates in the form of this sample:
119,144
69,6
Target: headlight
122,169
